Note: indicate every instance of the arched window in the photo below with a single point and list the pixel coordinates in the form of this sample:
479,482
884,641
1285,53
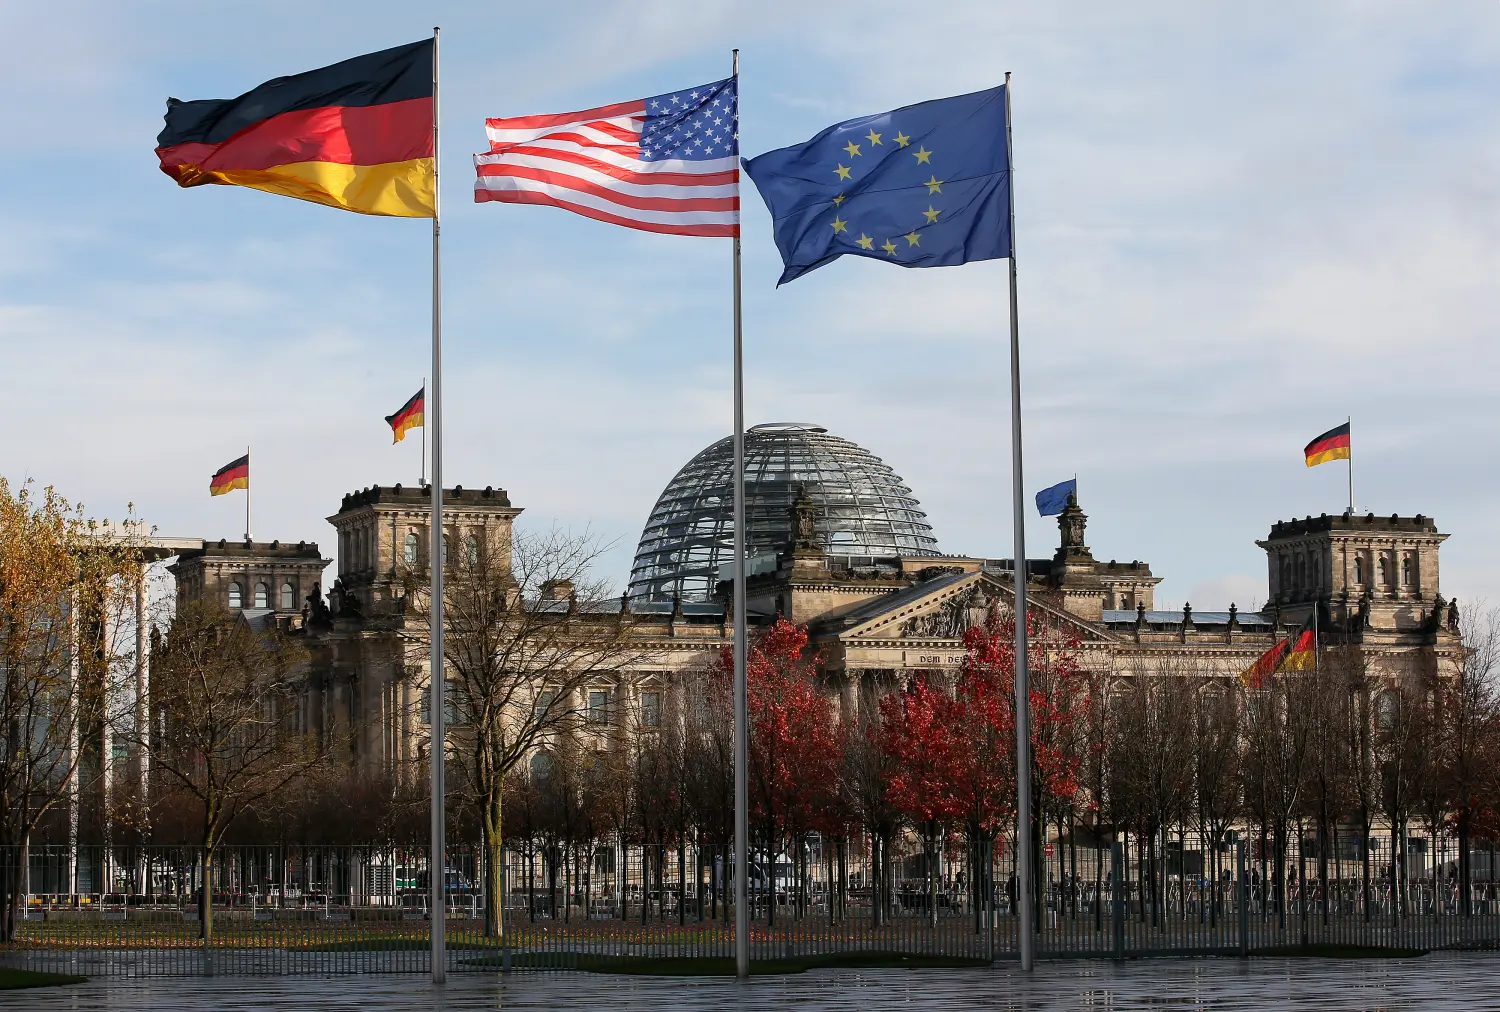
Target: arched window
447,552
1385,572
541,766
409,554
288,597
1359,571
1406,571
471,550
236,598
262,596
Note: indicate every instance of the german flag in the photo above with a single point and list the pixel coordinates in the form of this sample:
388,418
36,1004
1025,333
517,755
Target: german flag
409,417
1295,653
1331,445
233,475
356,135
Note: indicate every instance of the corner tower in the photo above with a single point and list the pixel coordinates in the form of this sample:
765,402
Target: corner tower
385,527
1376,573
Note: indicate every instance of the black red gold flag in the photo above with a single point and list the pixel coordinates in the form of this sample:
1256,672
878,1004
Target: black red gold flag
1331,445
1295,653
356,135
409,416
233,475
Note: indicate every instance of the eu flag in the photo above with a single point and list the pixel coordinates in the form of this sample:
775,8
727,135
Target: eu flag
1052,501
926,185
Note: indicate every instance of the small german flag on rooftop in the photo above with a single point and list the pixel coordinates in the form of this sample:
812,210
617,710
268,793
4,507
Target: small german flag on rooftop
409,417
1331,445
356,135
233,475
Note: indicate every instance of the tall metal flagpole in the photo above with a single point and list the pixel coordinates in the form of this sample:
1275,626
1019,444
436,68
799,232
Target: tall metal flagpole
1023,682
437,864
422,476
741,696
247,492
1349,421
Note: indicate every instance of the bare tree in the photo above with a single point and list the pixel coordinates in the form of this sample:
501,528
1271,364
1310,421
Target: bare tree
229,739
1153,761
66,614
1470,719
1217,787
1402,713
527,630
1279,741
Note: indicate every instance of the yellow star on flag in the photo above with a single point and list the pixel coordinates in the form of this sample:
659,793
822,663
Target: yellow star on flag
839,226
852,148
873,137
931,214
842,171
838,200
934,185
865,242
911,238
889,247
924,157
902,140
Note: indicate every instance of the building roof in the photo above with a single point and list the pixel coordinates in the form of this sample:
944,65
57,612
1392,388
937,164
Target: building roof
878,606
225,548
863,510
1355,524
419,496
1246,619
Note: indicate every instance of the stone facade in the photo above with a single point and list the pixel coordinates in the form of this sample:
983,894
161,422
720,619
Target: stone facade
1373,581
262,578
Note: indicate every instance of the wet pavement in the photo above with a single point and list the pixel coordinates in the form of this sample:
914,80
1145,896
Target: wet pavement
1439,981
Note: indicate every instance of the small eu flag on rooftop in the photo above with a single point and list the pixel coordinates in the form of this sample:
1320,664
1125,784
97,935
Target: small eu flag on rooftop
926,185
1052,501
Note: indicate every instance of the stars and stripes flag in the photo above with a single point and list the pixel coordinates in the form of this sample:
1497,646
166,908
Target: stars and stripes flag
661,164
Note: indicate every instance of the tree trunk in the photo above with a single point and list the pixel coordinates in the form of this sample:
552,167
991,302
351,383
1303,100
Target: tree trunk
206,898
10,890
1364,861
494,857
1463,862
932,872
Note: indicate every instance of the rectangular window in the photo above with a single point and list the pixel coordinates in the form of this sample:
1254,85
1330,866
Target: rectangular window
544,702
651,708
454,715
598,706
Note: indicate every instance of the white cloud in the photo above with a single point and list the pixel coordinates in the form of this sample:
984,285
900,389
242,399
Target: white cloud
1237,225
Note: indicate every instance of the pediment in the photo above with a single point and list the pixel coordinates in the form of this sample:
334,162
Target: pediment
949,608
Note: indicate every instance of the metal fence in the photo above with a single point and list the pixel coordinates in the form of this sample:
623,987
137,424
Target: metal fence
316,909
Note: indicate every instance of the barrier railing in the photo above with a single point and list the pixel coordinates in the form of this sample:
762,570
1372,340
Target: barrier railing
319,909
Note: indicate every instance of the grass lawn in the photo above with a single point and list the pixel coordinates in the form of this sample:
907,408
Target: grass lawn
1328,950
12,979
723,966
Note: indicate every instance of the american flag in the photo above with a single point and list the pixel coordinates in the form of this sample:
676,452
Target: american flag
662,164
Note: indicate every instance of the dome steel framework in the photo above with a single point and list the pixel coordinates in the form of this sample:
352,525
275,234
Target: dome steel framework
864,511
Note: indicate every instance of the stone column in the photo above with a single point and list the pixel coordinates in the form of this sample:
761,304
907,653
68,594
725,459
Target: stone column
403,748
143,728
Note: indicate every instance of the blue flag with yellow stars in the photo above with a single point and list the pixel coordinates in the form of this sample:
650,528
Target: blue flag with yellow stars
927,185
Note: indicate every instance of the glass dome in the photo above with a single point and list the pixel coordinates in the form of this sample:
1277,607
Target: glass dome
864,510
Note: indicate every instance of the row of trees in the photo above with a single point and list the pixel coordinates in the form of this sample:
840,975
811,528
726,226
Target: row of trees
1307,765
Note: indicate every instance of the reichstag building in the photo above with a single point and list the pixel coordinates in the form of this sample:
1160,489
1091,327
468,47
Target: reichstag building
836,541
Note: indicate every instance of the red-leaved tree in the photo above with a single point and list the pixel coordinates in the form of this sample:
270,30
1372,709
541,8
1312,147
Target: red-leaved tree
794,746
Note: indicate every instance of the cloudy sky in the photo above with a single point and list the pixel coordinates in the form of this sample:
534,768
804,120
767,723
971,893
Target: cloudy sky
1237,224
